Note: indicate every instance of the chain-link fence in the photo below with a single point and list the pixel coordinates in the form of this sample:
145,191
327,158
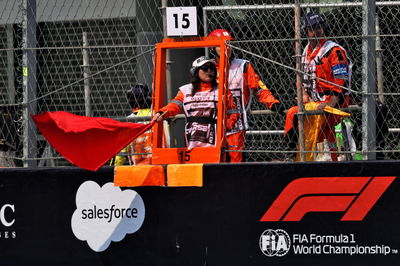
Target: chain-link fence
82,56
75,56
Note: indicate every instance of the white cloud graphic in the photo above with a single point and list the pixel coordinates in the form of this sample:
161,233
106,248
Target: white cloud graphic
106,214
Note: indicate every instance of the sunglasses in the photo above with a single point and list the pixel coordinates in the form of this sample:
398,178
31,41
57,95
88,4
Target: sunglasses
207,67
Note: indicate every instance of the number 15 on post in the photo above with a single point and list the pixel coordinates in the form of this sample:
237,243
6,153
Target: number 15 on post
182,21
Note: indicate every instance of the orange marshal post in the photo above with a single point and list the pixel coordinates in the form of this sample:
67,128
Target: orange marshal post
201,154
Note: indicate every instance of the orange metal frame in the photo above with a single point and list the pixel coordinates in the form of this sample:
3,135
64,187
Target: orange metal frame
162,155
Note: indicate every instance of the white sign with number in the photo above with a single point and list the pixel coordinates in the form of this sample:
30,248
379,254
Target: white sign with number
181,21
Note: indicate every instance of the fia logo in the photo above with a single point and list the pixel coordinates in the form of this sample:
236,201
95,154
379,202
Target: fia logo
274,243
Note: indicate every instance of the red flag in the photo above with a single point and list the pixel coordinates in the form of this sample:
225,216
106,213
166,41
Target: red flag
87,142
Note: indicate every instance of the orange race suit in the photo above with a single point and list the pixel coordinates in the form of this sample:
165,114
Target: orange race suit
138,152
243,82
201,113
328,61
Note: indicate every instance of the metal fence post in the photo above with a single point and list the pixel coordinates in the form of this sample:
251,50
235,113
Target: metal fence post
379,66
10,64
86,73
299,79
168,77
148,32
168,55
29,83
368,80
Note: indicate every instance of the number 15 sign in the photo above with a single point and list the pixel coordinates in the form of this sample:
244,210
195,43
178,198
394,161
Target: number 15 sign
181,21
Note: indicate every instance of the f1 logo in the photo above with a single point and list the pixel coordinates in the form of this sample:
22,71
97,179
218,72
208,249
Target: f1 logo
353,195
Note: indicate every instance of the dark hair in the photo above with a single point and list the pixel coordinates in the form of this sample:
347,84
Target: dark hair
195,80
139,96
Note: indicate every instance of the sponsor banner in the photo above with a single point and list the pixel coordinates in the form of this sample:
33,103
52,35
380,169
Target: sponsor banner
318,213
106,214
244,214
7,220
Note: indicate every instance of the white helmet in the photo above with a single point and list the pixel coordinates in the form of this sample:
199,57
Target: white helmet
202,60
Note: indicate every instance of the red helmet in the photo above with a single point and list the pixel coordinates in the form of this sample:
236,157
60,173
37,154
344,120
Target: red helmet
221,33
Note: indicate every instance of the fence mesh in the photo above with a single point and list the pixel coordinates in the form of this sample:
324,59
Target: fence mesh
119,36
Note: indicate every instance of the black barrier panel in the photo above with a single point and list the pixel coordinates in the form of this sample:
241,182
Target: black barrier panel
218,224
245,193
43,202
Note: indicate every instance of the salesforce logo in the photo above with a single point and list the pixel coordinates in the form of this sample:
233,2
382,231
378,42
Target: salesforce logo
105,214
109,214
274,243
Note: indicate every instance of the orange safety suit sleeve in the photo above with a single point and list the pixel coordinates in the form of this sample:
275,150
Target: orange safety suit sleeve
232,113
336,59
262,92
265,96
251,78
174,107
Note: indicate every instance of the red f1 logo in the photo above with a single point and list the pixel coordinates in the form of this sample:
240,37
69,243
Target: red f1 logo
353,195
